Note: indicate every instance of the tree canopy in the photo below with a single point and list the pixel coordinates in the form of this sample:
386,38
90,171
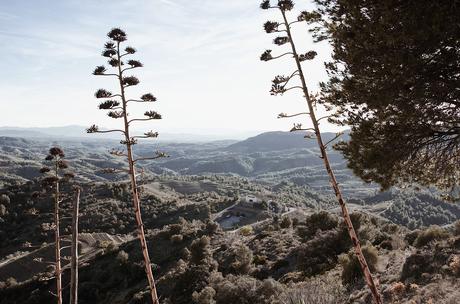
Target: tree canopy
395,78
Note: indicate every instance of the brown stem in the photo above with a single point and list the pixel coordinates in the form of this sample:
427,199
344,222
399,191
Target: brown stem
57,243
351,230
135,194
74,261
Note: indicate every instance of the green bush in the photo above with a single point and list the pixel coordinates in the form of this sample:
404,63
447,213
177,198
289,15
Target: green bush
351,272
320,253
457,228
321,221
433,233
412,236
246,230
286,222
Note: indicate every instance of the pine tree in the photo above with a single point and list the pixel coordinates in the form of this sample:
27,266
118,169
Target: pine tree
54,177
394,74
117,107
280,86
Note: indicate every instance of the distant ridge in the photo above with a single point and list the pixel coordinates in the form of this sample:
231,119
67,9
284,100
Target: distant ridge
278,141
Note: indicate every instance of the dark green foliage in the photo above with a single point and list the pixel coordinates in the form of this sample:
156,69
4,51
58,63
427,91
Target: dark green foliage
321,221
237,259
286,222
351,272
321,253
433,233
245,290
5,199
457,228
394,76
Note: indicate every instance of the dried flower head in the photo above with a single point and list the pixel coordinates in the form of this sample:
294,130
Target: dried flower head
265,4
50,180
266,56
152,115
271,26
115,114
281,40
148,97
117,152
280,79
49,157
286,5
102,93
108,171
151,134
130,50
109,53
45,170
92,129
62,164
99,70
69,175
160,154
109,45
130,81
55,151
117,34
108,105
131,141
277,89
310,55
113,62
296,127
135,63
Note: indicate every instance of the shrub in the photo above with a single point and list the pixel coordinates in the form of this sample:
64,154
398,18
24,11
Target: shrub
2,210
259,259
246,230
454,265
457,228
5,199
205,296
320,253
325,290
397,288
351,271
122,257
429,235
322,221
10,282
412,236
286,222
177,238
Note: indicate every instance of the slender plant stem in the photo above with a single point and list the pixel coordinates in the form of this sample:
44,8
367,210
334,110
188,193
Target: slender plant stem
57,243
74,261
351,230
135,194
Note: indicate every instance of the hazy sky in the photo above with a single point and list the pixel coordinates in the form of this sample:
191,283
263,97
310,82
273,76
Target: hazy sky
201,60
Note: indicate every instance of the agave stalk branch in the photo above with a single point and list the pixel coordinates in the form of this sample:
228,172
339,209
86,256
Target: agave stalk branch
284,115
282,55
57,238
335,137
74,250
109,131
351,230
134,187
139,119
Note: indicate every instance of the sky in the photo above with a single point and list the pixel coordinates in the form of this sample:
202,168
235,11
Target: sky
201,60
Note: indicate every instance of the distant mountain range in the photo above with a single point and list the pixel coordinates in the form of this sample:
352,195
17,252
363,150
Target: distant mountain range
278,141
77,131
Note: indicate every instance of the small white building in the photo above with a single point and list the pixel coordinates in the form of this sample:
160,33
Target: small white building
251,199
